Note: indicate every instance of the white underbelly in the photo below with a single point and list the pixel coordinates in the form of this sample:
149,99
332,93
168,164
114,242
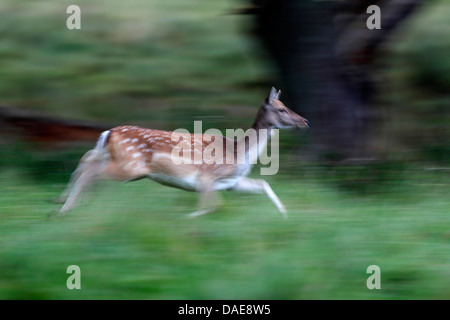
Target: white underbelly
188,183
226,183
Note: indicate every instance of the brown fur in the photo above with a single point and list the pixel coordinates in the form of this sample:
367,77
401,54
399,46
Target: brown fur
130,153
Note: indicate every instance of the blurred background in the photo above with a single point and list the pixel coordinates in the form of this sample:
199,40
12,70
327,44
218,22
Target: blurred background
367,185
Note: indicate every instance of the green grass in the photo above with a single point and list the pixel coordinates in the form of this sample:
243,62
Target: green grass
134,241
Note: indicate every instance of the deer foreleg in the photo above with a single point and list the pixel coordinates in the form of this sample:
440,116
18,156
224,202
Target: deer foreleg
259,186
208,202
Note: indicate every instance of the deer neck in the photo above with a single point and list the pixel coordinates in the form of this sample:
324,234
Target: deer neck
263,130
261,122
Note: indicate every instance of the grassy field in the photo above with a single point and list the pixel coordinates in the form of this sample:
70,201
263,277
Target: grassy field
164,64
134,241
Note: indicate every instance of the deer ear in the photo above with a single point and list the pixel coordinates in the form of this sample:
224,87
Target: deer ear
272,95
278,95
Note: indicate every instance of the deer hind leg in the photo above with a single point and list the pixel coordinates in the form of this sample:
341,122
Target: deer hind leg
259,186
90,166
74,177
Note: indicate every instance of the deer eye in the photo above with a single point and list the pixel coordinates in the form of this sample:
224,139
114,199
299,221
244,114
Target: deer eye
282,110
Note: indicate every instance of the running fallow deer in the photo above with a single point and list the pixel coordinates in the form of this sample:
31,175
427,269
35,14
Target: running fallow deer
130,153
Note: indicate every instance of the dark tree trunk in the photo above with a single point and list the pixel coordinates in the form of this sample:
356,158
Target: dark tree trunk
323,52
48,131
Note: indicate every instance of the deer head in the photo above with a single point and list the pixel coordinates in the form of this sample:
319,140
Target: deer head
277,115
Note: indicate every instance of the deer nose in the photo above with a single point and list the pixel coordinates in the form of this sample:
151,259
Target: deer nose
306,122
